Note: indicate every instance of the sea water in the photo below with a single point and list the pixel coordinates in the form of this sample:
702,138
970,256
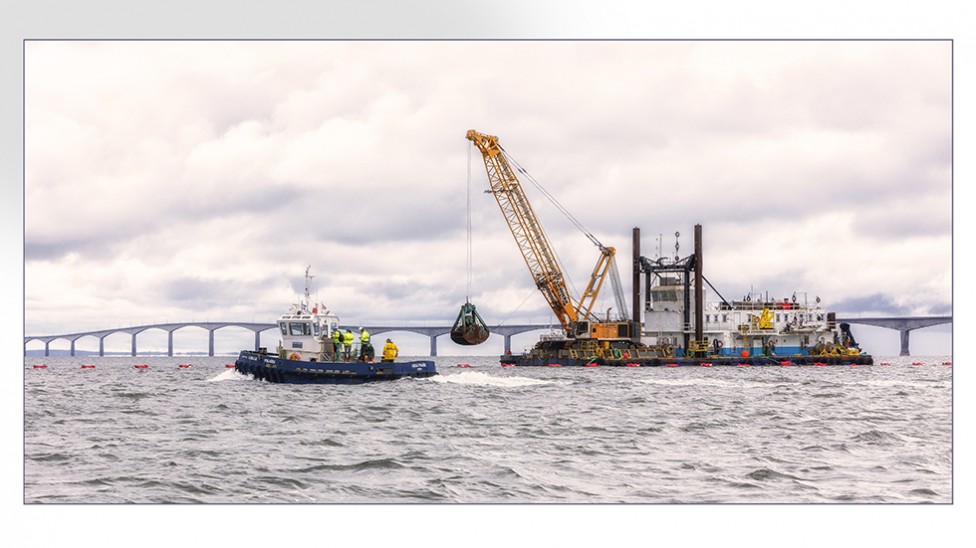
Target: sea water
489,434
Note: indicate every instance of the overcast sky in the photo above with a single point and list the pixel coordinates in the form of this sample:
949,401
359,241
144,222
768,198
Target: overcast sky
174,181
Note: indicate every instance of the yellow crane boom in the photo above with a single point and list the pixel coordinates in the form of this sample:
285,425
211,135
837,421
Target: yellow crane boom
533,243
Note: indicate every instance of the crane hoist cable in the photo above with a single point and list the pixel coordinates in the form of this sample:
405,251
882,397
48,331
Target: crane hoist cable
470,265
618,292
469,328
551,198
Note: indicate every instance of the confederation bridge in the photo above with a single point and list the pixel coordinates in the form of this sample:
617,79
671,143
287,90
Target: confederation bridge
903,324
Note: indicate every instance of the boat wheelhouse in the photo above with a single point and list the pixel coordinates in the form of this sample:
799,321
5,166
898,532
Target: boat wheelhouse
308,353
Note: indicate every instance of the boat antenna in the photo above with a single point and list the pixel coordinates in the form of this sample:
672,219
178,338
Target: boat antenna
307,279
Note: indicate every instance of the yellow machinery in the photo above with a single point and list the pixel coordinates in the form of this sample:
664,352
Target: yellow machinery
577,318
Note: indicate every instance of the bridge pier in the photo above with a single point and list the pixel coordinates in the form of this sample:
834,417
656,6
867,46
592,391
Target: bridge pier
257,340
169,344
433,345
72,352
101,346
904,342
134,344
508,344
47,348
211,342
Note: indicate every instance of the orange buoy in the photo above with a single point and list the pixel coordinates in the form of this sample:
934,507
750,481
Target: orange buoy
745,353
229,365
464,365
88,367
508,364
141,366
186,365
917,363
633,365
819,364
40,366
786,362
706,364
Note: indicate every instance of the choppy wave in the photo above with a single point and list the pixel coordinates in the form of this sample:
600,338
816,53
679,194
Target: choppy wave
488,435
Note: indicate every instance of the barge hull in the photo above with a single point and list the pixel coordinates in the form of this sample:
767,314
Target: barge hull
716,361
271,368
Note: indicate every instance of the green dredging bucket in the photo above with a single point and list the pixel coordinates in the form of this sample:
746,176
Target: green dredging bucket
469,329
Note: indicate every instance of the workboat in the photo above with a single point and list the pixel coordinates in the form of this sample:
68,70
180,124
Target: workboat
307,354
683,326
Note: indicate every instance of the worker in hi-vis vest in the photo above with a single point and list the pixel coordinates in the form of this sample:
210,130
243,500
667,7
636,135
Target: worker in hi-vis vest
347,343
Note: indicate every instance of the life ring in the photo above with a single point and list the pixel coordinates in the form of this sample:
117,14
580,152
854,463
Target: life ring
294,356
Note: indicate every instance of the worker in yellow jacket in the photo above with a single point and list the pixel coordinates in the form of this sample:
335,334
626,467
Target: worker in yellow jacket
337,341
347,339
390,351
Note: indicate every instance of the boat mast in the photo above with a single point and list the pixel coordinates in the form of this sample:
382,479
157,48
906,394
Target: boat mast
307,300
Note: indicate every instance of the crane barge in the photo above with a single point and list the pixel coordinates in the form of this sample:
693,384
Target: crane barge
676,333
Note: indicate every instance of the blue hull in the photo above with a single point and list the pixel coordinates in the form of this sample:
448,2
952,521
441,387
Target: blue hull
272,368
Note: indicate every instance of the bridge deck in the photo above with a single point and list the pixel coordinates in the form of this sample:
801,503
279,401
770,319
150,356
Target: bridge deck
904,324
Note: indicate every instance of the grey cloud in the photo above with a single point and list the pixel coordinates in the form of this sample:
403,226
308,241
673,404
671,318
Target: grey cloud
877,303
351,157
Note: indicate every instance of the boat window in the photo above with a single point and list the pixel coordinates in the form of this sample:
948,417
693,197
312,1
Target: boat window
299,328
315,329
665,295
284,329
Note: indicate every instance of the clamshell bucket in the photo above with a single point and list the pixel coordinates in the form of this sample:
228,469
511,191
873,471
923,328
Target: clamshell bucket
469,329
